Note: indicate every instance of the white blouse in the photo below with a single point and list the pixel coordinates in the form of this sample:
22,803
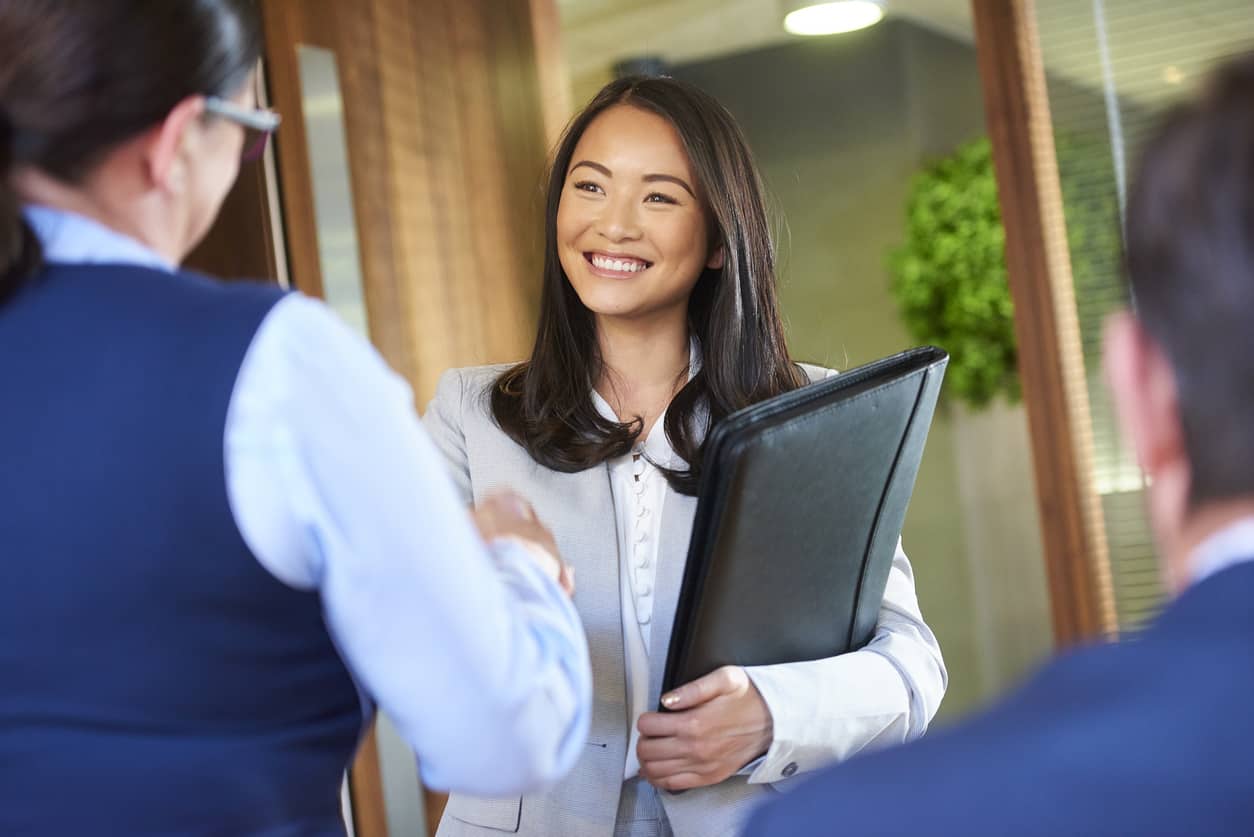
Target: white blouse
639,490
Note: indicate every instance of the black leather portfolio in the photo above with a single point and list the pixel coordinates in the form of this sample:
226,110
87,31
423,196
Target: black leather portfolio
799,510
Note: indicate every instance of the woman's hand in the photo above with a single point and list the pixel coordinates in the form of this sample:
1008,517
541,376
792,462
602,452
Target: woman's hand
507,515
717,725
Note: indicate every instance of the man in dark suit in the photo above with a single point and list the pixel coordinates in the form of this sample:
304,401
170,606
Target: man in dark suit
1154,735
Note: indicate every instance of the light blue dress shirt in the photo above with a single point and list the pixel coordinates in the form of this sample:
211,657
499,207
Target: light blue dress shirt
475,653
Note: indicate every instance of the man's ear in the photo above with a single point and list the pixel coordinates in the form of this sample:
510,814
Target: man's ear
1146,396
164,143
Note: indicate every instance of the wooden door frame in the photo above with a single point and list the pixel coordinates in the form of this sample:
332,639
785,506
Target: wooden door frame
1051,364
285,28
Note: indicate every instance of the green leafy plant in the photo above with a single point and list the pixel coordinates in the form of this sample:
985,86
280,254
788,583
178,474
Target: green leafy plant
949,277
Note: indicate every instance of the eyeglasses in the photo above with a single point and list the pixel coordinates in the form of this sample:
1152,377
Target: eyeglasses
258,124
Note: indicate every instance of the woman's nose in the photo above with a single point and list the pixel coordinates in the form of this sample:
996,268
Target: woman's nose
619,221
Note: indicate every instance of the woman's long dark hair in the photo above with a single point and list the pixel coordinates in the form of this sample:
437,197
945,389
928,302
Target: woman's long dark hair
545,403
80,76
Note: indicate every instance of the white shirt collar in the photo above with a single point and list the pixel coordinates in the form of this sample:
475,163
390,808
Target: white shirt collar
69,238
1233,544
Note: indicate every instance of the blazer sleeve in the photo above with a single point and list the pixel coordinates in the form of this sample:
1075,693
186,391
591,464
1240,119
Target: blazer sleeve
443,421
827,710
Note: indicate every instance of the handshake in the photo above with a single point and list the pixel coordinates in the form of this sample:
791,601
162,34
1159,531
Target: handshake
507,516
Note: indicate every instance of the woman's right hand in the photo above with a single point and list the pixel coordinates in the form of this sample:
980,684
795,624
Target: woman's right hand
508,515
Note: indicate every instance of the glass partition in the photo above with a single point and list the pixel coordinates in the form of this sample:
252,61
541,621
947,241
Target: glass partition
1113,67
323,110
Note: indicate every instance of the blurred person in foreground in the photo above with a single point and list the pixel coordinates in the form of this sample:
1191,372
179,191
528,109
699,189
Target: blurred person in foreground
224,535
1153,735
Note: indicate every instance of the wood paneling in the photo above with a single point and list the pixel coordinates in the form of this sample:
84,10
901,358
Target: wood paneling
1050,361
552,77
447,145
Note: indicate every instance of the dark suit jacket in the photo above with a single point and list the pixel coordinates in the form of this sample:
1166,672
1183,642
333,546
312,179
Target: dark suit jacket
1151,736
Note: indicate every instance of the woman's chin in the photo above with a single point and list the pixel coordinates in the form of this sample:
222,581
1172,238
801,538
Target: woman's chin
616,312
611,301
608,300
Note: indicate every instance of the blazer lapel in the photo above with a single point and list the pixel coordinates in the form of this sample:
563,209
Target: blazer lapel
579,509
677,515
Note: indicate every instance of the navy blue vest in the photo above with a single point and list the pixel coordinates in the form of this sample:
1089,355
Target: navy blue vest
154,678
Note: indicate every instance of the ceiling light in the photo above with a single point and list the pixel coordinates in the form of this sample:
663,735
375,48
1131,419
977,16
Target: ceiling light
810,18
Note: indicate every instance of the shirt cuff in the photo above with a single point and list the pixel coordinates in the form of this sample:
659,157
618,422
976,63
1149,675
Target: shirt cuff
513,559
824,711
770,766
752,766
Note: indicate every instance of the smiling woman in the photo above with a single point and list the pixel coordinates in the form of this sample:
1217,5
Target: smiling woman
659,317
653,181
629,213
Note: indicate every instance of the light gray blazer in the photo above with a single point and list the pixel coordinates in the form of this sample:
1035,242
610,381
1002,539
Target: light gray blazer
579,510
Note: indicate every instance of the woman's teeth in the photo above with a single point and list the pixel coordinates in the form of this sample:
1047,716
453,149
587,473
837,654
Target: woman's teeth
618,265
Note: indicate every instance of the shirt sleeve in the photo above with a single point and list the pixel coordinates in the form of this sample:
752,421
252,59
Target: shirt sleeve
475,653
827,710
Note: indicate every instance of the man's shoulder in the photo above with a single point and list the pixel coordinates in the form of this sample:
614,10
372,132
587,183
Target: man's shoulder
1071,751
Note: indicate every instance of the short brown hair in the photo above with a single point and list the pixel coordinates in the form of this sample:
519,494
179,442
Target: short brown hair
80,76
1190,261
